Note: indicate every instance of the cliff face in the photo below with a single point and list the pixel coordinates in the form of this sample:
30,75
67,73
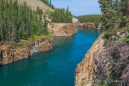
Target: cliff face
104,62
62,29
10,54
89,25
87,69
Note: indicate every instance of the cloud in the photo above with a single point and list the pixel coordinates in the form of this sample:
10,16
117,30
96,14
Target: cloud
79,7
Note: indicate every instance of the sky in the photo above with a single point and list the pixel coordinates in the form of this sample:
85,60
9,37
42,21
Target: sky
79,7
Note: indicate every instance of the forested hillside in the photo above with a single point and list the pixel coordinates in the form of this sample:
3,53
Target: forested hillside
61,15
96,18
19,21
49,3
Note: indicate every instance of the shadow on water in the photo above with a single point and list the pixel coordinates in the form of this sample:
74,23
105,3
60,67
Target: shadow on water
63,40
53,68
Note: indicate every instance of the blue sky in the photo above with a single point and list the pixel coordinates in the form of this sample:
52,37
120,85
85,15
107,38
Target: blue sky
79,7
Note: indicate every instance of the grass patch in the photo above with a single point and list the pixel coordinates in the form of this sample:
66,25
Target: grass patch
33,38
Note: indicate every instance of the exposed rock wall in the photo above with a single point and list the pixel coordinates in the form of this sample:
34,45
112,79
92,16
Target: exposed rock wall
89,25
62,29
86,71
106,63
10,54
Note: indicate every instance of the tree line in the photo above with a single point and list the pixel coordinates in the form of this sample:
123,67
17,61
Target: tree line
61,15
113,14
96,18
49,3
18,21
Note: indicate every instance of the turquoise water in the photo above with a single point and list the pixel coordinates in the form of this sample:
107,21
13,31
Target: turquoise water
52,68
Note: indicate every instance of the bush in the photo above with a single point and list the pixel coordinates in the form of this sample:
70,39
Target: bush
109,33
125,39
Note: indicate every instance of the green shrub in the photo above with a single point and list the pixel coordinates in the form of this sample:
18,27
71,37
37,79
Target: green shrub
109,33
125,39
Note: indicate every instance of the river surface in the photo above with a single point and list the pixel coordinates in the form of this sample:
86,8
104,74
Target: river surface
53,68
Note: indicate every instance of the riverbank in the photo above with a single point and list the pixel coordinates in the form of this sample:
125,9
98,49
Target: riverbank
10,53
102,62
86,24
52,68
62,29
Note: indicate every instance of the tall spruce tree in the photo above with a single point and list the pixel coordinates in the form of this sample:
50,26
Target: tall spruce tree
18,21
113,16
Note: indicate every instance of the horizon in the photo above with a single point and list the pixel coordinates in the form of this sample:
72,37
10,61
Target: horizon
79,9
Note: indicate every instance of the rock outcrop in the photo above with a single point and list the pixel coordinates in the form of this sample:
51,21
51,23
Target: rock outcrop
62,29
89,25
86,71
10,53
105,63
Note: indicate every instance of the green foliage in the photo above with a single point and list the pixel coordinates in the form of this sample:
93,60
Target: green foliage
113,14
60,15
49,3
109,33
19,21
33,38
103,84
125,39
90,18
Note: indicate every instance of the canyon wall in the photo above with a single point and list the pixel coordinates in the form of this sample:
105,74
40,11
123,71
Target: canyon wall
11,53
105,62
62,29
88,25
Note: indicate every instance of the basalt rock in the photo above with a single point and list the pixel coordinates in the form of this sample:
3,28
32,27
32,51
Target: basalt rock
10,53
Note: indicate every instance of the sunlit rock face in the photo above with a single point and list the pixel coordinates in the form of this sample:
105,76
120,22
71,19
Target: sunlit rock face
62,29
10,53
104,60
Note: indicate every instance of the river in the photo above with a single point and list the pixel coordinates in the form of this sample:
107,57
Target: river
53,68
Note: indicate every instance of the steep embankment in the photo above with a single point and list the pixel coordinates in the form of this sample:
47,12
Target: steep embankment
35,3
62,29
89,25
10,53
104,62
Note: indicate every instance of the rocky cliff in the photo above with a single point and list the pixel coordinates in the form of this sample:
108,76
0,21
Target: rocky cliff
105,63
89,25
62,29
10,53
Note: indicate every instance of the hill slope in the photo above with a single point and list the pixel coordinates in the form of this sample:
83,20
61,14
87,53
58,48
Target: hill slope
34,4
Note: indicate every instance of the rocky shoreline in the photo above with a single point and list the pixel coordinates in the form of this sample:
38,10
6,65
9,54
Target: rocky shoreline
62,29
97,63
9,53
88,25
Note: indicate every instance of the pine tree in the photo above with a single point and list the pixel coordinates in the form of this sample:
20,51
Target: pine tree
113,16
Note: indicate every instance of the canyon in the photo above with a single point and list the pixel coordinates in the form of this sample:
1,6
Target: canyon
97,63
11,53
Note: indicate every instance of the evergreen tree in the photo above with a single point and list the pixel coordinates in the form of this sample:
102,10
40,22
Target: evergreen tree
112,16
19,21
